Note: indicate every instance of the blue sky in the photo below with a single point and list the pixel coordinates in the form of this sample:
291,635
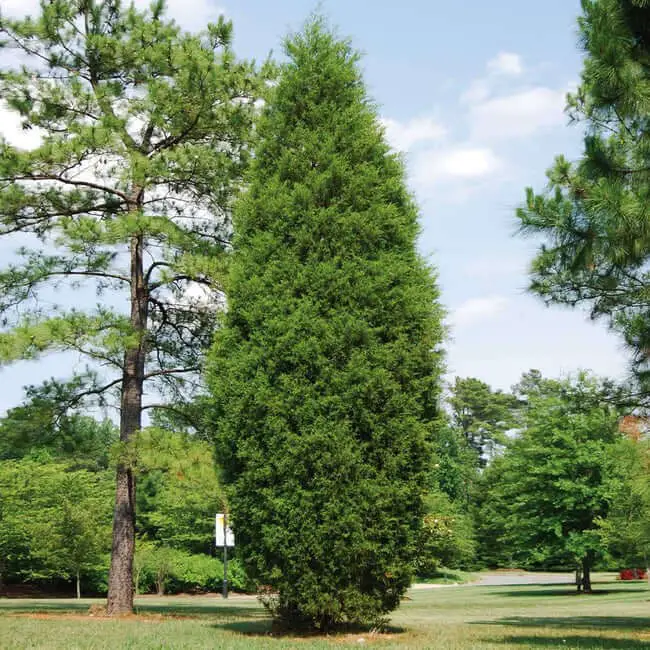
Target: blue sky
473,92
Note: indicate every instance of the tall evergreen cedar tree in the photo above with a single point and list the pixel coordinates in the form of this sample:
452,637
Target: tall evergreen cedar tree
594,214
326,376
144,129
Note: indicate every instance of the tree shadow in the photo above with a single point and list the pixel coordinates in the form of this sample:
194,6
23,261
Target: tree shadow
572,622
8,607
216,610
182,609
566,591
265,627
248,628
573,641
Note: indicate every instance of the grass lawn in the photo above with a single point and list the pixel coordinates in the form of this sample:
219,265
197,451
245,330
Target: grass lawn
617,616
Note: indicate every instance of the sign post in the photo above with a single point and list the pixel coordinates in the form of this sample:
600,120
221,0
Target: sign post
224,537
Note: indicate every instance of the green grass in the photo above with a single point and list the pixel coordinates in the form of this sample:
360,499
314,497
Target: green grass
617,616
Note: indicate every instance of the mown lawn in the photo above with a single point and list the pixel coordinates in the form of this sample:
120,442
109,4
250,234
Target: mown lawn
618,616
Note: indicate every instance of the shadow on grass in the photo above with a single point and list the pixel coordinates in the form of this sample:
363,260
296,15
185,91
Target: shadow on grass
572,622
265,627
573,641
222,611
7,607
567,591
216,610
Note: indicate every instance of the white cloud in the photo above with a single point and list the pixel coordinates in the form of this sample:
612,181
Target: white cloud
404,136
478,309
460,163
505,63
519,114
11,129
18,8
192,15
478,91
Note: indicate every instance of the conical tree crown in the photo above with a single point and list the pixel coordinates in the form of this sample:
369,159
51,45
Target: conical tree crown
326,374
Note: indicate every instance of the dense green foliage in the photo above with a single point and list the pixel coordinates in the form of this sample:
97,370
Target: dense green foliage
626,529
593,216
56,503
37,427
326,375
179,491
54,522
162,569
447,537
544,496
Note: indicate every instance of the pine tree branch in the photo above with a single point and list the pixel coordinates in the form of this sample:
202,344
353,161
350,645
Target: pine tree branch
181,278
152,267
78,397
67,181
173,409
74,72
97,274
170,371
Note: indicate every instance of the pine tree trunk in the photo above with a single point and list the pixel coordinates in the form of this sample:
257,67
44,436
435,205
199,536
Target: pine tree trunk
78,586
120,581
586,575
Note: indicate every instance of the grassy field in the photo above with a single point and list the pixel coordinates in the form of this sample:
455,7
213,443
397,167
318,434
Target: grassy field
617,616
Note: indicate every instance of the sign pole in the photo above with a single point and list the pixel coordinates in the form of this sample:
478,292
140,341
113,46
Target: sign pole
225,560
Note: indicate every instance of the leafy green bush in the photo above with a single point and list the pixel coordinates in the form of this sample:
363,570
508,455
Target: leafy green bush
166,570
446,538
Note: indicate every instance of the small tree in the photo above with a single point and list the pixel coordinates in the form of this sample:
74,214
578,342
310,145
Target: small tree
78,532
144,132
553,482
326,376
180,490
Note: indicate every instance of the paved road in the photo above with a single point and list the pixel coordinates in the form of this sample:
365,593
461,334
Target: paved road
524,578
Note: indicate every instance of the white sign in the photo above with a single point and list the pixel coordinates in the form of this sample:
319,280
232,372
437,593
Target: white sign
223,533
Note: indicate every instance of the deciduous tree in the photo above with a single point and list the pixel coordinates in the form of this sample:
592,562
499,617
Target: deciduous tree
553,483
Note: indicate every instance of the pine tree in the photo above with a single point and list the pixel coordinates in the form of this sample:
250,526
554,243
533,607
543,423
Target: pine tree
593,215
326,375
144,132
482,416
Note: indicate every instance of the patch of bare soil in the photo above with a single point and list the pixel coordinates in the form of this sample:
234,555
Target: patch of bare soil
69,616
